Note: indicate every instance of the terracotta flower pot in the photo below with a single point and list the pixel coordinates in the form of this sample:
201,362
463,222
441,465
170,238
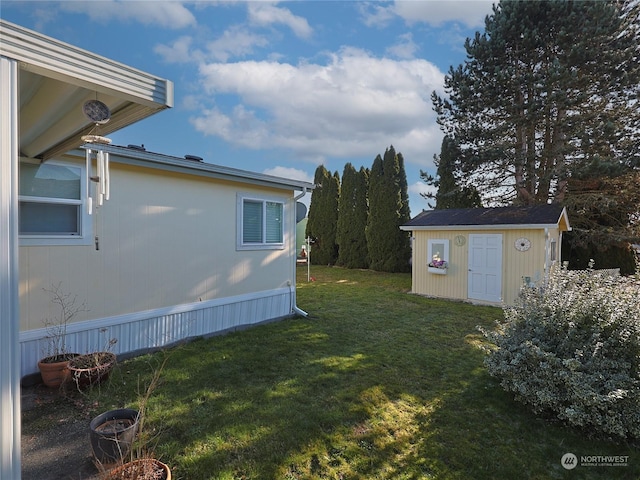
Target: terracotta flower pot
141,469
91,368
54,370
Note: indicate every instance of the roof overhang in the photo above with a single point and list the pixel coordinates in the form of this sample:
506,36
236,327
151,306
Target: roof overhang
56,79
480,227
158,161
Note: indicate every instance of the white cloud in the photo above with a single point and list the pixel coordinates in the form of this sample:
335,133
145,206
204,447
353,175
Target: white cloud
374,15
416,201
236,41
289,173
266,14
43,15
404,48
418,188
164,14
178,52
438,12
355,105
433,12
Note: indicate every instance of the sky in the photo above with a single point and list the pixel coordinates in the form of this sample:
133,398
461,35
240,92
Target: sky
279,87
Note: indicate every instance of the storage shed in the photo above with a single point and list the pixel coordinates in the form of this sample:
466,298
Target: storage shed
484,255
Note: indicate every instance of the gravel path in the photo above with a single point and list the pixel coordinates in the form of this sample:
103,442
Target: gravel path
55,437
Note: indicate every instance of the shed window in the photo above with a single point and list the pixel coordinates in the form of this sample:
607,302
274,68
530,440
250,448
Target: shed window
261,223
51,203
438,253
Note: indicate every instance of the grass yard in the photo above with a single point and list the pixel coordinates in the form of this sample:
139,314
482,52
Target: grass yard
375,384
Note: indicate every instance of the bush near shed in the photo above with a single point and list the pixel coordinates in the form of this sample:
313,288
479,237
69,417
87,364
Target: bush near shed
571,348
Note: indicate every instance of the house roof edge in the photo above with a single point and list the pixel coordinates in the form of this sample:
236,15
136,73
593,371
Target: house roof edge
171,163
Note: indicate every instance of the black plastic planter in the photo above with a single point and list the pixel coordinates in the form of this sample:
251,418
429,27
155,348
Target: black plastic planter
112,434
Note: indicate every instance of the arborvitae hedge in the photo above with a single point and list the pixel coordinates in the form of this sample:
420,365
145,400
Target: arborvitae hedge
389,247
352,218
323,218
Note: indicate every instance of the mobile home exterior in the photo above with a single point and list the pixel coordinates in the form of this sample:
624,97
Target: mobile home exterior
490,253
43,85
181,249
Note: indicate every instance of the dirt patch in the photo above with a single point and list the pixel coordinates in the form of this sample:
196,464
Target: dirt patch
55,436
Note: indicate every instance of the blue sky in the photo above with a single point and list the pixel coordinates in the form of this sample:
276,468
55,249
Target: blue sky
279,87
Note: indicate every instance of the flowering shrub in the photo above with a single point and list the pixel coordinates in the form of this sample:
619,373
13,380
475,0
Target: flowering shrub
572,349
437,262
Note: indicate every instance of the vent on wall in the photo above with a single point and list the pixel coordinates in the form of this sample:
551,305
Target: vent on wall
193,158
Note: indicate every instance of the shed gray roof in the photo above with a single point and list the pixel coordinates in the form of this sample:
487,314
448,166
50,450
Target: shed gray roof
538,216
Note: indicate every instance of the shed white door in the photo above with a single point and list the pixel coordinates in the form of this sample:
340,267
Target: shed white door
485,267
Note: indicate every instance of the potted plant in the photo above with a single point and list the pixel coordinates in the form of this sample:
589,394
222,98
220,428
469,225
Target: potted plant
142,465
54,365
91,368
437,265
112,434
140,469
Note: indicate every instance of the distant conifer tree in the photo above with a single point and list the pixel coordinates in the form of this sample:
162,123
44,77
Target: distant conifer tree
323,217
449,193
352,218
389,247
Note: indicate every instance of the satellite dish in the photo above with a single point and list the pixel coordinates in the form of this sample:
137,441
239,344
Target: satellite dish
301,211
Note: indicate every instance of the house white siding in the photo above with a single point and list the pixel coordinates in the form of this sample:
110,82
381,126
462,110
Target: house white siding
165,266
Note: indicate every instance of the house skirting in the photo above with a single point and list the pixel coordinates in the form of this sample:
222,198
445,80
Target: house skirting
153,329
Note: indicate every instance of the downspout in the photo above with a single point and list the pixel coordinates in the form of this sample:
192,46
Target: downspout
294,306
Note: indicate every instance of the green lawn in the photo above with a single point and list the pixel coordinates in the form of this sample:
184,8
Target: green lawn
375,384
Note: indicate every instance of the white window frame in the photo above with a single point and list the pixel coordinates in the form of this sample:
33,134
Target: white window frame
435,243
263,199
85,236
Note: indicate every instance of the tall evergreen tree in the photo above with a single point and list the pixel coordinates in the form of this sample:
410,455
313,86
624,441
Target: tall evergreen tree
389,247
323,217
449,193
353,211
549,97
548,91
